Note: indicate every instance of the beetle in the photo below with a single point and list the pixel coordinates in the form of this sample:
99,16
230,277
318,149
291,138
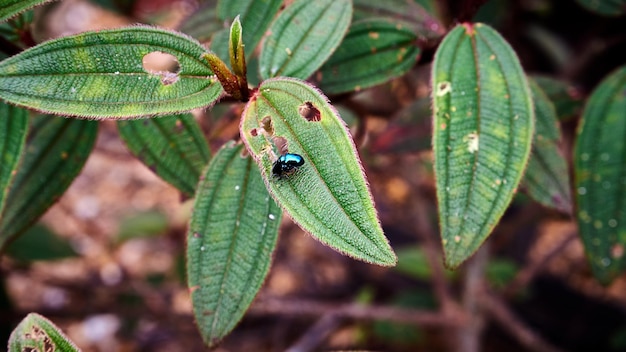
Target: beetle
287,164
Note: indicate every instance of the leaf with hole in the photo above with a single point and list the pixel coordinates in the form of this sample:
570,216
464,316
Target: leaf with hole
328,195
482,134
107,74
600,177
13,126
547,176
55,152
373,52
36,333
230,241
172,146
303,37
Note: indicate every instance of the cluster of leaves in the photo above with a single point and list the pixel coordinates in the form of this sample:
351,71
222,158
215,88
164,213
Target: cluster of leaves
493,129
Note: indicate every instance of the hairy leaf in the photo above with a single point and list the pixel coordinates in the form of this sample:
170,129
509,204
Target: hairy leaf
255,17
373,52
172,146
36,333
105,74
303,37
328,196
483,129
419,17
600,177
231,238
13,125
56,151
547,176
10,8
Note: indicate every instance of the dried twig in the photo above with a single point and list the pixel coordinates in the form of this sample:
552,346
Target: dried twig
317,333
499,311
469,335
525,275
356,311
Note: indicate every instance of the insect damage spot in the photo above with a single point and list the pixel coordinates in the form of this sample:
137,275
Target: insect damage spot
267,126
164,65
443,88
281,144
310,112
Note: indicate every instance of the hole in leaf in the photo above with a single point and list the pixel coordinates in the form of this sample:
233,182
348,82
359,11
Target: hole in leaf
310,112
164,65
281,145
254,132
443,88
266,124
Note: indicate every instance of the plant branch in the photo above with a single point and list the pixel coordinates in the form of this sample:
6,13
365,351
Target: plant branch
317,333
361,312
498,310
469,335
526,275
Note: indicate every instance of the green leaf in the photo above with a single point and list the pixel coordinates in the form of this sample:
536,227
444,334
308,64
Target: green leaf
56,151
255,15
230,241
10,8
39,243
102,74
13,125
173,147
483,129
303,37
600,177
547,176
408,13
566,98
413,262
36,333
373,52
203,23
328,196
605,7
146,224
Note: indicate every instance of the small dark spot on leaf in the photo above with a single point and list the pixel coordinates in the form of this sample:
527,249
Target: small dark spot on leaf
310,112
207,313
146,122
254,132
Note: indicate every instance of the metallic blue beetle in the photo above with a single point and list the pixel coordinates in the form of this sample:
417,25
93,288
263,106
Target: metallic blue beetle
287,164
